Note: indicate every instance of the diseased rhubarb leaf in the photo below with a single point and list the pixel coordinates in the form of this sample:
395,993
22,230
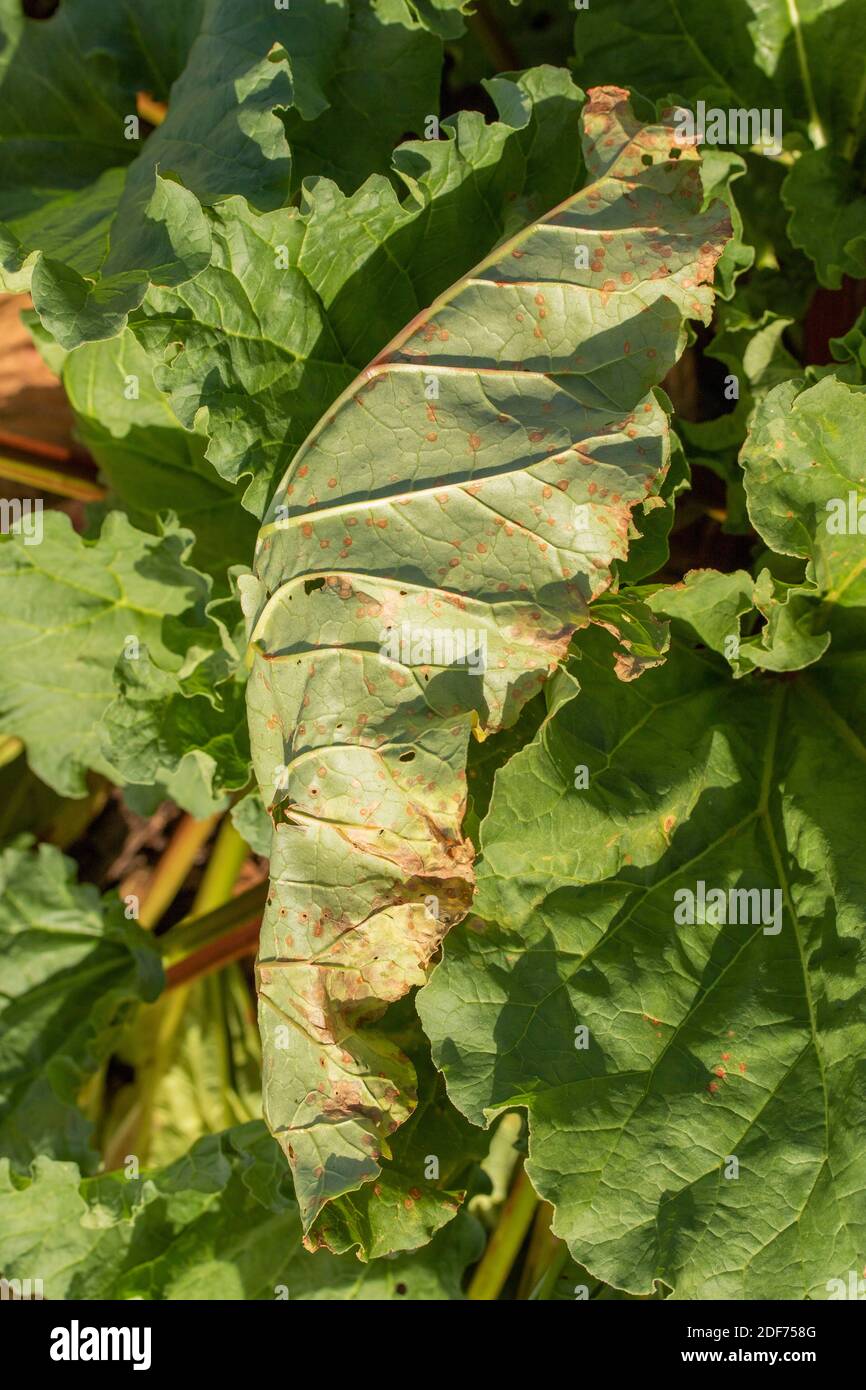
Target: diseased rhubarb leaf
423,1184
73,967
421,568
803,61
220,1223
75,610
720,170
642,638
297,301
650,1052
116,209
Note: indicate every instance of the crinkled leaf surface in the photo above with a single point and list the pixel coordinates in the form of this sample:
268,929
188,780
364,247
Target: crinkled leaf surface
150,461
749,341
243,82
220,1223
70,131
72,967
70,607
379,82
484,511
824,195
188,732
706,1041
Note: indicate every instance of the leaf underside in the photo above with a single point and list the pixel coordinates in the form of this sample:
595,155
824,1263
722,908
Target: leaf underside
468,494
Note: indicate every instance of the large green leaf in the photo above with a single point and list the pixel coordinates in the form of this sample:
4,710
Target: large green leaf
749,341
379,82
432,547
186,731
72,968
651,1051
221,1223
112,212
150,461
297,301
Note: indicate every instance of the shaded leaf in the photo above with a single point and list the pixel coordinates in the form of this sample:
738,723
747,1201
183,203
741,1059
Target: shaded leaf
150,461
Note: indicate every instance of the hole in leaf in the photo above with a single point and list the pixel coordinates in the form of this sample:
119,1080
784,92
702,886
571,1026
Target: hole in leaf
40,9
407,757
674,153
646,159
311,584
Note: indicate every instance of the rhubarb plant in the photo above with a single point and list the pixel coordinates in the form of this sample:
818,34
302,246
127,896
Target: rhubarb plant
438,636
